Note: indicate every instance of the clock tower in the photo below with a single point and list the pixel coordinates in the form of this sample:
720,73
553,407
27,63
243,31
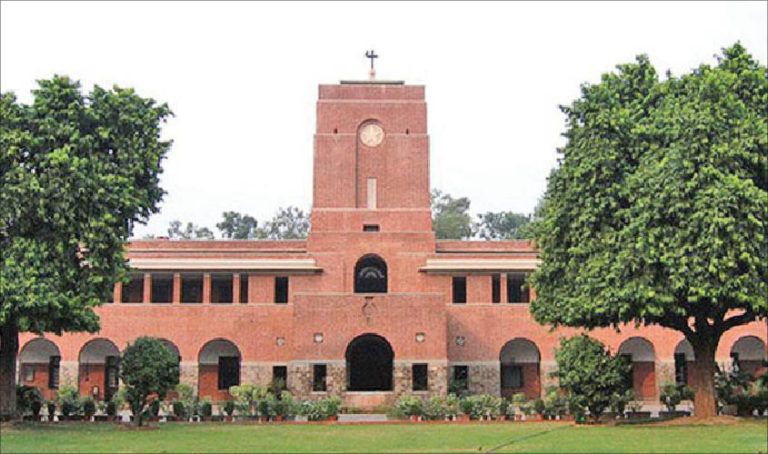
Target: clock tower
371,159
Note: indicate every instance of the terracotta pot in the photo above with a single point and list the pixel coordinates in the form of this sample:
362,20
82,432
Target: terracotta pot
463,417
263,418
230,418
414,418
279,418
333,418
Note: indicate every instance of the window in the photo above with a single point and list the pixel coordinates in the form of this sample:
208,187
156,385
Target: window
319,372
221,288
370,275
496,288
281,290
420,377
629,382
370,227
53,372
111,381
162,288
243,288
280,376
459,289
511,376
461,377
191,288
517,292
29,374
133,290
681,369
229,371
735,361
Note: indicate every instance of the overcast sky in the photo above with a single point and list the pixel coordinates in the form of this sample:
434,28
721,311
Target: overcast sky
242,81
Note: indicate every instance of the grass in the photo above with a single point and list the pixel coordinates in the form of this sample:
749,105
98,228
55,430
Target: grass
747,437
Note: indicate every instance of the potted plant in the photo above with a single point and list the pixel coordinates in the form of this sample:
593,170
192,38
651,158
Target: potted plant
264,404
229,408
51,407
154,410
36,406
410,406
179,410
452,406
206,410
670,396
89,408
70,403
111,410
330,408
539,408
519,405
634,408
465,404
285,406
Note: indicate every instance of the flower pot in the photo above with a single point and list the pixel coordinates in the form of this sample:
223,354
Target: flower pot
333,418
263,418
278,418
230,418
463,417
414,418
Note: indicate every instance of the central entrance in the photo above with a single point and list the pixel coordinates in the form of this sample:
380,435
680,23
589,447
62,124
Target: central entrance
369,364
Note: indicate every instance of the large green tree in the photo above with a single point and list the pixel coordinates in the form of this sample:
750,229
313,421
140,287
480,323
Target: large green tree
147,368
450,216
502,225
238,226
190,231
289,223
76,173
657,212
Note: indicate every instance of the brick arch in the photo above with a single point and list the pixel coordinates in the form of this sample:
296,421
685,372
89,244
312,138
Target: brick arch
520,368
210,383
370,363
749,354
98,368
39,365
643,373
371,274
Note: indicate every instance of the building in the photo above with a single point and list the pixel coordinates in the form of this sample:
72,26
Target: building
368,307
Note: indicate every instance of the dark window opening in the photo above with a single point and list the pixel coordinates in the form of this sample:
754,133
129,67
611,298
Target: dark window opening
461,377
221,288
162,288
133,290
53,372
517,291
229,372
735,361
280,377
191,288
681,369
407,131
370,227
281,289
420,377
243,288
459,289
371,275
496,288
629,382
369,364
335,130
319,372
511,376
111,376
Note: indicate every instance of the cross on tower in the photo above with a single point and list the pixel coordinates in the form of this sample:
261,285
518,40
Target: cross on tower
371,54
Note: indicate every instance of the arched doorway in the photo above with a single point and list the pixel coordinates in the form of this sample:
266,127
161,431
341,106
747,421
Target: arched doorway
683,360
639,352
369,364
219,368
39,366
371,274
520,370
748,354
99,367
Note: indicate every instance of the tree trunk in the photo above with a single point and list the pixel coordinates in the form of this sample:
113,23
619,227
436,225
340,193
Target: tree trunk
704,401
9,351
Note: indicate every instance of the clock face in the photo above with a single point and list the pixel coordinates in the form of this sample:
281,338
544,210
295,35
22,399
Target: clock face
371,134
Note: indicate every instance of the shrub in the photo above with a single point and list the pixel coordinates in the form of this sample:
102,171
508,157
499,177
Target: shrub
539,406
329,406
229,407
51,407
285,405
179,409
69,400
26,396
435,408
672,394
111,408
620,400
248,398
452,405
147,367
36,406
409,406
206,409
154,409
89,406
554,403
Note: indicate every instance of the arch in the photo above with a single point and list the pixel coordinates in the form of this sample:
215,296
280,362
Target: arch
370,360
218,368
371,274
520,369
683,358
748,354
642,357
39,366
99,367
171,346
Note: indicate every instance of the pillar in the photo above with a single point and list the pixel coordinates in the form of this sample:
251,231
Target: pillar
189,374
206,287
176,288
235,288
147,298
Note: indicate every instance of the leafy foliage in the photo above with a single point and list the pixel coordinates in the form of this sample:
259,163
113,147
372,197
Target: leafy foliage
289,223
148,368
238,226
657,213
504,225
189,232
587,369
450,217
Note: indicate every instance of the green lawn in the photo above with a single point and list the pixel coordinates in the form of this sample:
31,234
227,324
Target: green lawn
747,437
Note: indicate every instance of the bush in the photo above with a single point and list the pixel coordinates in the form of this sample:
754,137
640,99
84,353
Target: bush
206,409
409,406
179,409
69,400
229,407
538,406
89,406
154,409
672,394
436,408
51,407
26,397
554,403
452,405
248,398
111,408
480,405
329,406
620,400
147,367
285,405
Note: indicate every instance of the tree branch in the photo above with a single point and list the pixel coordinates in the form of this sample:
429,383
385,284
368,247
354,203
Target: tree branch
737,320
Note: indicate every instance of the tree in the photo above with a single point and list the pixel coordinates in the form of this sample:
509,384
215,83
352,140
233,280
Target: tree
450,217
288,224
147,368
504,225
238,226
657,213
589,373
76,173
190,232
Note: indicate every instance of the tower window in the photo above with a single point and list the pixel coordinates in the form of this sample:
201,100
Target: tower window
371,275
133,291
191,288
281,290
459,289
517,292
162,288
370,227
221,288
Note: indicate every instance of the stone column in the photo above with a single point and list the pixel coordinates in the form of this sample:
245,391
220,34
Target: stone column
402,379
147,295
176,288
545,369
485,378
190,371
336,379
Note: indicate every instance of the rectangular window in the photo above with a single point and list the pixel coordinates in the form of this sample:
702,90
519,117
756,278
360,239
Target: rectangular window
280,376
229,371
162,288
629,381
511,376
517,292
191,288
495,288
281,289
111,376
319,372
459,289
372,193
681,369
29,374
53,372
461,377
133,290
244,288
420,377
370,227
221,288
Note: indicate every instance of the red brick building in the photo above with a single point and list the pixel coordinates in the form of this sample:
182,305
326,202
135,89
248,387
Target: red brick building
368,307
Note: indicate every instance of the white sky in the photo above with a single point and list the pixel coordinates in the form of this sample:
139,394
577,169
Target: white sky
242,81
